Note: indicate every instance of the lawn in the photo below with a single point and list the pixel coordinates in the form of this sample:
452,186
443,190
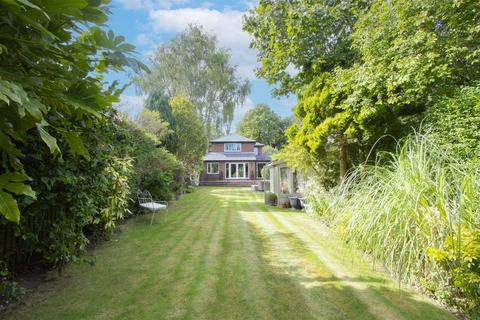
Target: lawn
219,253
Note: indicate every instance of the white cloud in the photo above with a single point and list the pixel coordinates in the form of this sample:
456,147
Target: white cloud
131,105
226,25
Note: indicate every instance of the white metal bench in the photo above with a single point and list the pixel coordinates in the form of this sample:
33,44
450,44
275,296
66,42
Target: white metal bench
146,202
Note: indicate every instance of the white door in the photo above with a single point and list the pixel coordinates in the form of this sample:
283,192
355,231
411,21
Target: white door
236,170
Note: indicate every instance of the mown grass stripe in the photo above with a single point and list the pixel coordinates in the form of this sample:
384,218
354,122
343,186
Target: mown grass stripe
201,289
220,253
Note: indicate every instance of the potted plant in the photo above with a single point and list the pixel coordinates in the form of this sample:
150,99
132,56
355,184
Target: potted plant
272,199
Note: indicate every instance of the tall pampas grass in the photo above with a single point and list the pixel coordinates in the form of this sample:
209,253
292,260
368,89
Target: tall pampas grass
403,205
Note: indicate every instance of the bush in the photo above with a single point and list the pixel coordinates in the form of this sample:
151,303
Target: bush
403,211
460,258
454,124
80,199
271,198
156,169
10,291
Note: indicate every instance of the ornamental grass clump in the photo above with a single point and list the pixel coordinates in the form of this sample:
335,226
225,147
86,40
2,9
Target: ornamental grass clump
404,209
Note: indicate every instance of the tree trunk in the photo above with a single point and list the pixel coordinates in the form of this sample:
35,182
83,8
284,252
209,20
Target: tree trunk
343,161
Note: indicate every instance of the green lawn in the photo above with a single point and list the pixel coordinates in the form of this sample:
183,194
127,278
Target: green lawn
219,253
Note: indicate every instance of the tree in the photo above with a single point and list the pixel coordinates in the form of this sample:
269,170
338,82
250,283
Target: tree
192,65
151,122
405,56
454,124
298,40
189,134
52,60
159,102
264,125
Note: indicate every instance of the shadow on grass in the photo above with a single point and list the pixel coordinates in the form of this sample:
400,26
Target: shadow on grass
297,295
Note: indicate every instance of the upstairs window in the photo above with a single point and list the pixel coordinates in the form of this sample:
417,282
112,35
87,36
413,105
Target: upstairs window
212,167
232,147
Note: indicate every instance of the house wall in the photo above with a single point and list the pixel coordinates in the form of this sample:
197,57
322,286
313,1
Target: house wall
219,147
252,167
248,147
216,147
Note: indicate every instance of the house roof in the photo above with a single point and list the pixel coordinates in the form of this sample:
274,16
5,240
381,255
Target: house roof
233,137
236,156
258,144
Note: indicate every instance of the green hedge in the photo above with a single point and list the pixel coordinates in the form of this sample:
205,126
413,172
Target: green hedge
78,199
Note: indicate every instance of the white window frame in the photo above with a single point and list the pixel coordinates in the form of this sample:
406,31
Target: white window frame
228,170
232,147
258,171
209,168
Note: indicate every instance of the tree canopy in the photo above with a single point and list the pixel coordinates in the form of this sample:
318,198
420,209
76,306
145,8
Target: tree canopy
158,102
377,67
151,122
264,125
297,40
52,59
193,66
190,136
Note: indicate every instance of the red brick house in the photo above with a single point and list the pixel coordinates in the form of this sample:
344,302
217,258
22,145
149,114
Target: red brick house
233,160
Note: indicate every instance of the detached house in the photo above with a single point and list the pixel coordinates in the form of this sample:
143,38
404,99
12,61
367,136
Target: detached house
233,160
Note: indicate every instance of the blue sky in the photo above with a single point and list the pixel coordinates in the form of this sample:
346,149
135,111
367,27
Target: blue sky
148,23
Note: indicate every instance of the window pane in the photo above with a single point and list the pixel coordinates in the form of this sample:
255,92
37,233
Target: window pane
233,170
227,170
284,185
241,172
232,147
246,170
215,167
259,169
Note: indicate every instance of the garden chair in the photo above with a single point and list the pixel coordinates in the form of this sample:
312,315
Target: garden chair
146,202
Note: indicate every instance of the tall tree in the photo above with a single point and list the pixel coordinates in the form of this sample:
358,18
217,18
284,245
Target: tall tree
264,125
151,122
405,54
298,40
159,102
189,134
192,65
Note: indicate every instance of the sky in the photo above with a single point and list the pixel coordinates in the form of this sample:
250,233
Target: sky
149,23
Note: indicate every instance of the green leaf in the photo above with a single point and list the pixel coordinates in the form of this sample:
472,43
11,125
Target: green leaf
9,207
13,182
76,144
29,4
36,109
50,141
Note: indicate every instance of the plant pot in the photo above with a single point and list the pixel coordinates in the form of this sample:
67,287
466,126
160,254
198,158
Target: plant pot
293,202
